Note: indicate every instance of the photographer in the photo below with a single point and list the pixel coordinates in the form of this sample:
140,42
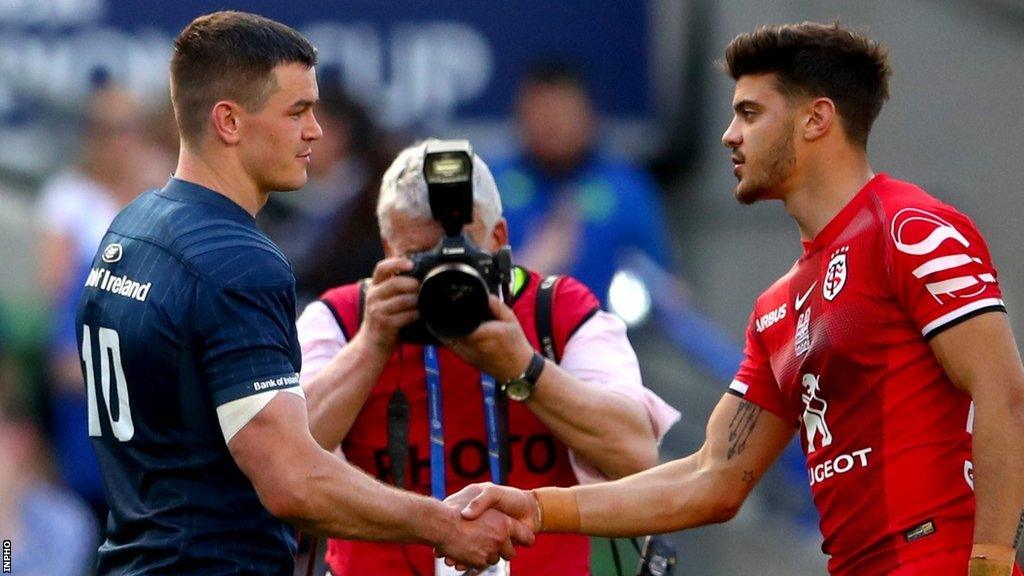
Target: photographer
376,393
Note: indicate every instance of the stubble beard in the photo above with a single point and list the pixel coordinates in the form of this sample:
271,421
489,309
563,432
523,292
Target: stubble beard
778,167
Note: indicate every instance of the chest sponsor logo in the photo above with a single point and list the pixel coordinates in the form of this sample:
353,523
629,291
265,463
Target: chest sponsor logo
814,413
839,465
802,341
767,320
801,299
112,253
835,274
102,279
815,427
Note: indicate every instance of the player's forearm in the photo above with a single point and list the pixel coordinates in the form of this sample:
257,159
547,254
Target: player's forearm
336,394
999,464
340,501
673,496
606,429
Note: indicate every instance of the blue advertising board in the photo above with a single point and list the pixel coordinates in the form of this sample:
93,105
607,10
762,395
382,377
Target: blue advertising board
414,60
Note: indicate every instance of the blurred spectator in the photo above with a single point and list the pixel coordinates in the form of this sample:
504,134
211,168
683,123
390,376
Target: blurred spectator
51,531
571,208
118,158
328,230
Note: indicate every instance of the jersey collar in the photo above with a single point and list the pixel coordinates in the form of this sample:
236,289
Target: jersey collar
185,191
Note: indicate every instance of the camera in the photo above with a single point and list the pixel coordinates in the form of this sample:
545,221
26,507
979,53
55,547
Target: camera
455,276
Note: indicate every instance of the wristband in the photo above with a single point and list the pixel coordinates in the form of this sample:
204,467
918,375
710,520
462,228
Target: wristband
558,510
994,553
995,556
983,567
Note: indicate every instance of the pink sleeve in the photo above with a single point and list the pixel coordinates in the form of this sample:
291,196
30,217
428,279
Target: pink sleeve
600,354
320,338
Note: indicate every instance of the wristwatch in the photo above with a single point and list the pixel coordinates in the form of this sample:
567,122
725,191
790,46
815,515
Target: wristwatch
521,387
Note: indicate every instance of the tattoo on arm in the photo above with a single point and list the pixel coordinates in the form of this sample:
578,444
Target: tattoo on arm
741,426
748,478
1020,532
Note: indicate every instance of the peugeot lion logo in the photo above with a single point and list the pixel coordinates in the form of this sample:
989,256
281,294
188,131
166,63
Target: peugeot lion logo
112,253
814,413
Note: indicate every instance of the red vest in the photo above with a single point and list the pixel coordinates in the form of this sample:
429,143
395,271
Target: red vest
537,458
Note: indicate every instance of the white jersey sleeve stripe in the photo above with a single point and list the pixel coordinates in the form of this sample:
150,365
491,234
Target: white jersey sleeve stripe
941,263
952,285
739,387
959,313
234,415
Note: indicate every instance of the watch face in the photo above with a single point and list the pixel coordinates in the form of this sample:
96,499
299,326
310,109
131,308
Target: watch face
519,390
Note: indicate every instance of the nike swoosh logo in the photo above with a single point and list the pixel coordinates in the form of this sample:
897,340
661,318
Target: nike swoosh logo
801,299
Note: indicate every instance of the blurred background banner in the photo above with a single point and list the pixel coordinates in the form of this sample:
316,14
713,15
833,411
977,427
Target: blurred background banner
429,65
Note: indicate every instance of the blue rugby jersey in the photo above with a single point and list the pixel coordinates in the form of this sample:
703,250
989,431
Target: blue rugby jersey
187,307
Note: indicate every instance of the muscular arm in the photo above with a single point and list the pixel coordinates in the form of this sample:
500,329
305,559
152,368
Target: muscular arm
336,394
609,430
704,488
300,482
981,358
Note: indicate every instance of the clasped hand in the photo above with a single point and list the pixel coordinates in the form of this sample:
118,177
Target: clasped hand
491,503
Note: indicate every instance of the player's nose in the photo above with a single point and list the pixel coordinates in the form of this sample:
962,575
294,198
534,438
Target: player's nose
731,137
314,131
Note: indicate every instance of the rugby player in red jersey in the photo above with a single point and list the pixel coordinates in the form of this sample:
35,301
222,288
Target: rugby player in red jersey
886,346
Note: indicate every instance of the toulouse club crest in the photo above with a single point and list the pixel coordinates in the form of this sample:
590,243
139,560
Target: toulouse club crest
835,275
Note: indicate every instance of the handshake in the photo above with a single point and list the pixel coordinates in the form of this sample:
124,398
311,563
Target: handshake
494,519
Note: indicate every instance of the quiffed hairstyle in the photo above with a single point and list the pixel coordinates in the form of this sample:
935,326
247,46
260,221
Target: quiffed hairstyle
229,56
811,60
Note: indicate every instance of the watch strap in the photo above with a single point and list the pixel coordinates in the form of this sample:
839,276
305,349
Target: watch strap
533,369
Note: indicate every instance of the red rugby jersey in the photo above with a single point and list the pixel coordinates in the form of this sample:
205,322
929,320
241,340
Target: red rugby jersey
839,347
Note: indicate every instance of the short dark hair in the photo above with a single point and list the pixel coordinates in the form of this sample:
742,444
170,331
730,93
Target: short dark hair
558,72
229,55
811,59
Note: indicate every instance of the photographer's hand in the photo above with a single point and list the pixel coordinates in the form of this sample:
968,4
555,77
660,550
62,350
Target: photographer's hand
336,392
498,347
390,304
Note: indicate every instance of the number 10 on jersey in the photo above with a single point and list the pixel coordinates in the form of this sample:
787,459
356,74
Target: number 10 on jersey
110,369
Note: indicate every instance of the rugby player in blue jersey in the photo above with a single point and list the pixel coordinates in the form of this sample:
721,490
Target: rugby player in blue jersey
188,343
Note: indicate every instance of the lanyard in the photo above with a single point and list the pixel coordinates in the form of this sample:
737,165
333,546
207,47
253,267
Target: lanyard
491,412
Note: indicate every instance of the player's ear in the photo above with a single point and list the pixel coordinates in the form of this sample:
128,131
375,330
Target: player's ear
225,117
821,113
500,233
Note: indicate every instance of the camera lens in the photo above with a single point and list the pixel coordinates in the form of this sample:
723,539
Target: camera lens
453,300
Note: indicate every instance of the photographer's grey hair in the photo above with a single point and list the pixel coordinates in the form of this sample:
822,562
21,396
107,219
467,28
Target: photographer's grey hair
404,189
